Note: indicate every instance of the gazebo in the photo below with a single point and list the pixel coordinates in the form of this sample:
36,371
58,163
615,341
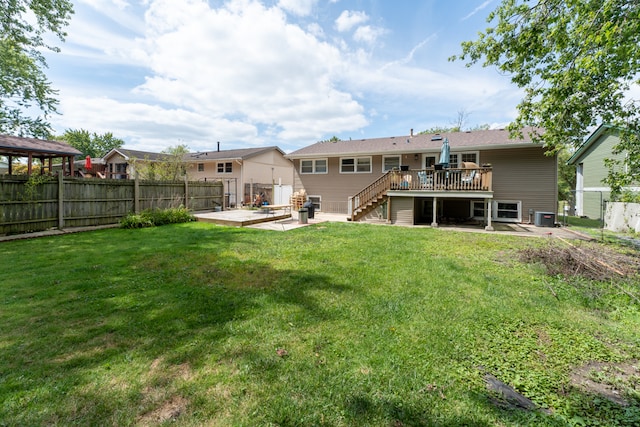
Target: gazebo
41,149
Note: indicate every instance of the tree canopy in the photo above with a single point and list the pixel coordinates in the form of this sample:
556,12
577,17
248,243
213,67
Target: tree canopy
576,61
91,144
170,166
24,87
456,125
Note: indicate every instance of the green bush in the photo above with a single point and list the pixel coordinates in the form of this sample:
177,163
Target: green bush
154,217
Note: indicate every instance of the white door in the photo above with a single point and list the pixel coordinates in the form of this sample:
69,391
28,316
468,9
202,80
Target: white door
282,194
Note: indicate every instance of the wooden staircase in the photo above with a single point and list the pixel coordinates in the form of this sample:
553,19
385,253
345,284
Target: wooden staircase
369,198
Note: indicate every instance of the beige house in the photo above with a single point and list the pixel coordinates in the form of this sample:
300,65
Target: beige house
489,177
249,174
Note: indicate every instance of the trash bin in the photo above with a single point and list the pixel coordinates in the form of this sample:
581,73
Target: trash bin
545,219
309,205
303,215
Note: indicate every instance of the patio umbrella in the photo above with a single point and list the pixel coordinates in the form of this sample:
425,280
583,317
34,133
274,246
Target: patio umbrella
444,153
87,162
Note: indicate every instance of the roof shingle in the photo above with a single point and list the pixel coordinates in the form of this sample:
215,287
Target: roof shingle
478,139
20,146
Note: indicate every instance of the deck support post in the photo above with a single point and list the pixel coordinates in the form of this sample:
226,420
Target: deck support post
434,222
489,214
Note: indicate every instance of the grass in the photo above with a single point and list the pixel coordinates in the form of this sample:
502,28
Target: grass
336,324
594,228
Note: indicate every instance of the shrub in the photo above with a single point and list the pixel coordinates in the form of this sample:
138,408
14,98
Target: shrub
154,217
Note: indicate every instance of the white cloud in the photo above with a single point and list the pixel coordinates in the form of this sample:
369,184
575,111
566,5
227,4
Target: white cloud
298,7
407,59
349,19
316,30
477,9
368,34
151,127
248,75
225,74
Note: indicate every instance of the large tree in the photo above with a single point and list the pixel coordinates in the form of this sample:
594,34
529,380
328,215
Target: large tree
576,61
170,166
91,144
24,88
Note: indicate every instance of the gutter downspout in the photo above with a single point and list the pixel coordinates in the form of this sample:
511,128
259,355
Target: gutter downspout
241,163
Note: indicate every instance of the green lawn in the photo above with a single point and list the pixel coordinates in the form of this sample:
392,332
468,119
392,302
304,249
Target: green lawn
333,324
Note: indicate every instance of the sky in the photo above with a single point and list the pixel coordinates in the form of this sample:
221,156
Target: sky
286,73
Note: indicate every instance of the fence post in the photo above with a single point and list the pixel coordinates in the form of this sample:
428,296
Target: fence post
136,195
61,199
186,192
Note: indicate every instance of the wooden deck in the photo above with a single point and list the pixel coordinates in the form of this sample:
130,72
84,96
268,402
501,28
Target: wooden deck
450,182
243,217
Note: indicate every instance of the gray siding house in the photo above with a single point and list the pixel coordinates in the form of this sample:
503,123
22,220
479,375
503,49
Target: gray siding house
589,159
489,177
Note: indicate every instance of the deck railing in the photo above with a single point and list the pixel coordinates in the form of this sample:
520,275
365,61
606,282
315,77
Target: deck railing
450,179
453,179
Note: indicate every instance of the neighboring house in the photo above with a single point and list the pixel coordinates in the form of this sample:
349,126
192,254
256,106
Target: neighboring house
246,172
490,177
589,159
118,162
4,167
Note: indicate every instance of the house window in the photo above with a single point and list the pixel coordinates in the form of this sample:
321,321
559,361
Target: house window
121,171
200,167
390,162
507,210
429,161
355,165
456,159
313,166
225,167
317,202
477,209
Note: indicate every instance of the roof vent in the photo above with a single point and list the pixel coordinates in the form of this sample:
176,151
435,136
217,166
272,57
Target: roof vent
436,137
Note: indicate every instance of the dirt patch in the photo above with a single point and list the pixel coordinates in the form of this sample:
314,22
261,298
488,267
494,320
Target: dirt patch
161,393
616,382
168,411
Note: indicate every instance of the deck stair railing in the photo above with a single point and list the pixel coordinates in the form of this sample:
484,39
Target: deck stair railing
423,180
369,197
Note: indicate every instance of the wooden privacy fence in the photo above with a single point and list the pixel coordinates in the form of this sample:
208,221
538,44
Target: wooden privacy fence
44,202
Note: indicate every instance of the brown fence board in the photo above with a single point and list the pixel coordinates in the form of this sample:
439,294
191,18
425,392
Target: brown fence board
26,206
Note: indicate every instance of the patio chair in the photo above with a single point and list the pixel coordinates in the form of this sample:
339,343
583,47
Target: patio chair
469,178
426,181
